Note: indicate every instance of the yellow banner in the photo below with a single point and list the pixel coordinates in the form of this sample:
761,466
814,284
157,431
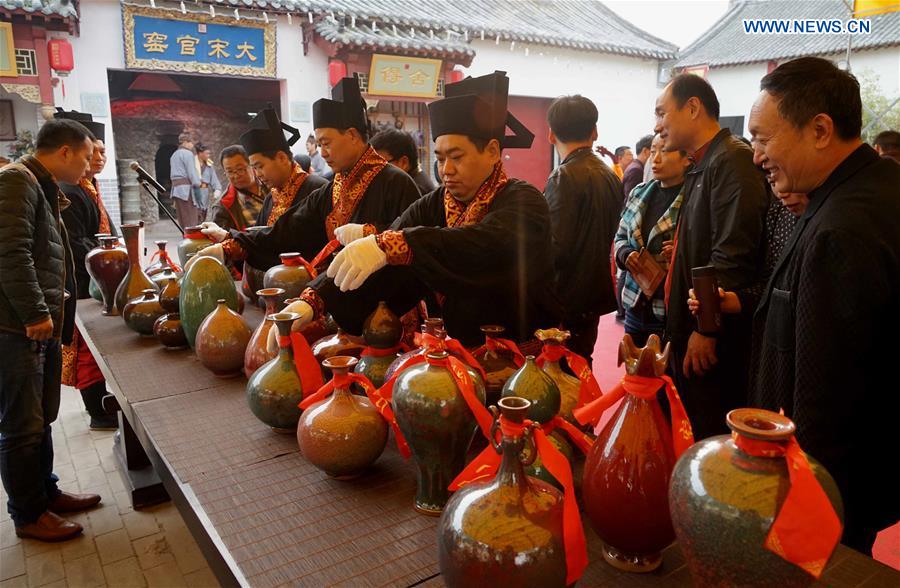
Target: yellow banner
395,75
863,8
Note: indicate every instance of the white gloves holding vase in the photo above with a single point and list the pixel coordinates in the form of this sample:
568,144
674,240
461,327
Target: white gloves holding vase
349,233
215,251
356,262
216,233
306,315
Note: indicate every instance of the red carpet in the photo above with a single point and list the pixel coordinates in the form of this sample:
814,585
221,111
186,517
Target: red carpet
608,374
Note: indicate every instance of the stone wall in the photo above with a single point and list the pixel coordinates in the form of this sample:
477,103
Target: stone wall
141,127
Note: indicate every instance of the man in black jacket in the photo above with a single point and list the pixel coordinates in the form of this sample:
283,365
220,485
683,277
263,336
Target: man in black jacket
35,266
826,327
720,224
583,194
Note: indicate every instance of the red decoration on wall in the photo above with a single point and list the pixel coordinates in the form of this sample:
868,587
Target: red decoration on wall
337,70
61,59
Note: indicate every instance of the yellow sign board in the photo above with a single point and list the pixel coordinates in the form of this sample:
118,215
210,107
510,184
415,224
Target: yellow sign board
7,51
412,77
863,8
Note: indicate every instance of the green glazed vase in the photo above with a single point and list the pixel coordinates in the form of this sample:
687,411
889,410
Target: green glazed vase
534,385
438,426
274,392
206,282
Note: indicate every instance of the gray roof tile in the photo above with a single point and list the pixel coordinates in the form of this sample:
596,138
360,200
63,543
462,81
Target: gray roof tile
64,8
725,43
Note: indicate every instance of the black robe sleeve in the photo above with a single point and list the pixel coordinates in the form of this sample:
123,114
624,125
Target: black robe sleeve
82,220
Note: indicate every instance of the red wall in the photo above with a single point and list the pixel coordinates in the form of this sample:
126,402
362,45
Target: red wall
532,165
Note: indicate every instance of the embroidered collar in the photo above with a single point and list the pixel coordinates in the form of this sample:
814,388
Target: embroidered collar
460,214
283,198
348,189
91,190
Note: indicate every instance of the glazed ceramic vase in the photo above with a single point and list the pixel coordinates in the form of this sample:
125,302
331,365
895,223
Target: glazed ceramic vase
626,474
569,386
206,282
431,326
141,313
507,531
498,364
343,434
534,385
438,426
107,265
338,344
161,277
135,281
290,275
94,291
169,294
193,242
160,264
382,332
257,350
274,392
222,341
723,502
167,329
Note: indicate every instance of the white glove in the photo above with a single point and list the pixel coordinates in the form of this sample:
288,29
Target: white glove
215,251
356,262
216,233
306,314
349,233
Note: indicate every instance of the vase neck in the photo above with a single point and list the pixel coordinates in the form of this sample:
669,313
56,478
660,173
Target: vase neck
511,471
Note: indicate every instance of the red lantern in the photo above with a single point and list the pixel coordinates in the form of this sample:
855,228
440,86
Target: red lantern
456,76
337,70
61,58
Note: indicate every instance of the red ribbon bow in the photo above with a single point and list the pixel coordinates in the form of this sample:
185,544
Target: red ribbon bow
643,387
578,437
381,405
330,248
369,351
195,235
485,466
163,255
806,529
496,344
304,361
590,389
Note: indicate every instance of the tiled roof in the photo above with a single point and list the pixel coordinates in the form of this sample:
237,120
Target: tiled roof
395,38
725,43
63,8
576,24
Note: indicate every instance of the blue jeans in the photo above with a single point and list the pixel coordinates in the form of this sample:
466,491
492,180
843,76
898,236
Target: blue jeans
29,402
641,323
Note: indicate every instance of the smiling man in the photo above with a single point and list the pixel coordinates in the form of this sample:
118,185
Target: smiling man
481,243
720,224
828,317
365,190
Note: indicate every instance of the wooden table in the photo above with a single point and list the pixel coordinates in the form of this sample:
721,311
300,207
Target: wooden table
264,516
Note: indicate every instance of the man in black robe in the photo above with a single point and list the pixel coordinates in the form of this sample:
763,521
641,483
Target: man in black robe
826,327
85,217
365,190
268,152
481,243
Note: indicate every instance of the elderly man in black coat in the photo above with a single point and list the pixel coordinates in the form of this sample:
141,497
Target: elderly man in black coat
825,330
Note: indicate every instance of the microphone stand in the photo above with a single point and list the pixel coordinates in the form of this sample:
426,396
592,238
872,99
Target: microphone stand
153,194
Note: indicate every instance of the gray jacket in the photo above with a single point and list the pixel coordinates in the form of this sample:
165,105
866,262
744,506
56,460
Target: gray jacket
183,171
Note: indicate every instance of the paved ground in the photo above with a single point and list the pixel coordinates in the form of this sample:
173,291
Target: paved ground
120,548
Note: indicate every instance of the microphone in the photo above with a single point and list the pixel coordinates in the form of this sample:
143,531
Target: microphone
145,176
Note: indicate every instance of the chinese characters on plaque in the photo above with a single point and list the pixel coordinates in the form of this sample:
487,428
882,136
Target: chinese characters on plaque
163,40
394,75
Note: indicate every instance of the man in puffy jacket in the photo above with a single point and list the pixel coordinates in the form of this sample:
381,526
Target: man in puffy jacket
36,269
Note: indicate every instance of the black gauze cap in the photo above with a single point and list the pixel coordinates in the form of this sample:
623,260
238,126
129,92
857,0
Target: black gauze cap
477,107
97,129
266,133
345,110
